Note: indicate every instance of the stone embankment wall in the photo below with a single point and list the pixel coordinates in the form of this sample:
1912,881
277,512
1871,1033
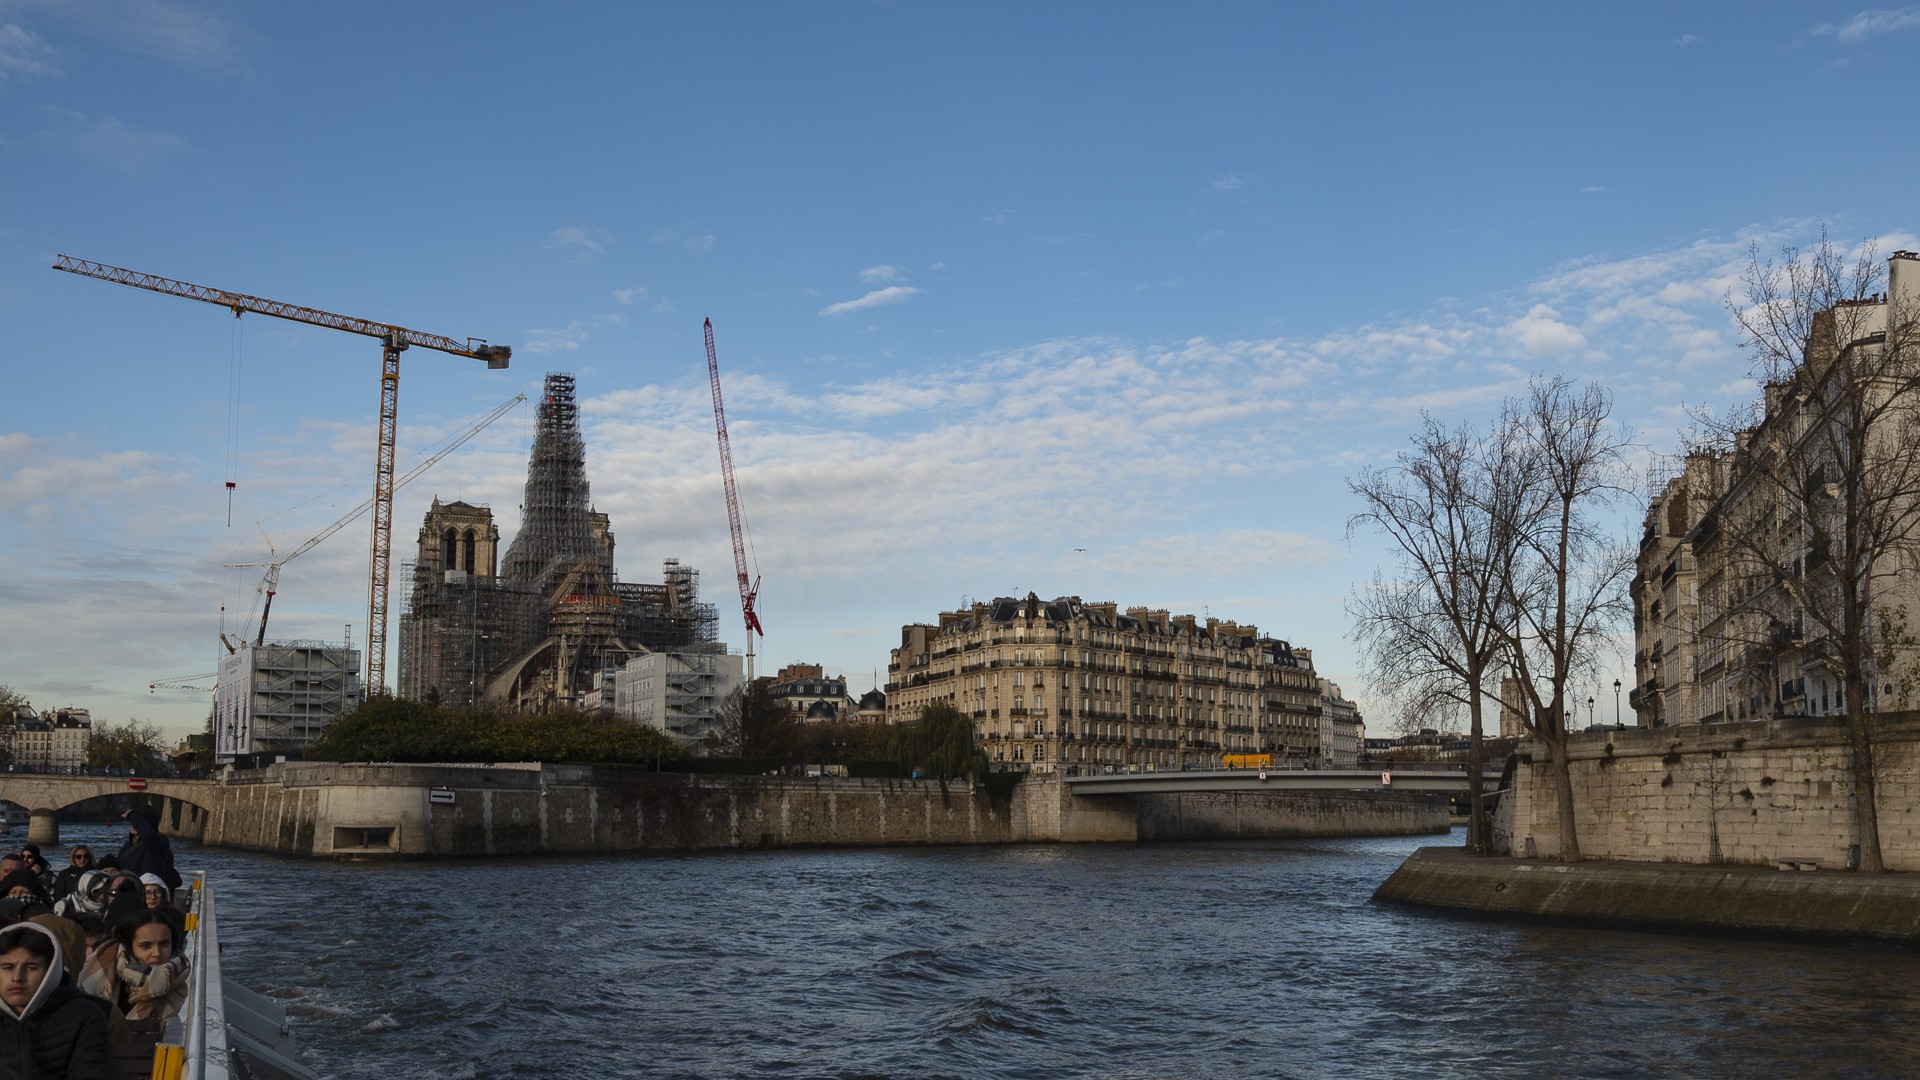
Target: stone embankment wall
1743,793
1234,815
1652,896
351,811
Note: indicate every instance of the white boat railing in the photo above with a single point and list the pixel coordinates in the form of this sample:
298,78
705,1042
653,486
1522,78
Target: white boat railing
222,1018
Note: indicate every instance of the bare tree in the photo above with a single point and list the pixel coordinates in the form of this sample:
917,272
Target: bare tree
1432,633
1567,585
1817,530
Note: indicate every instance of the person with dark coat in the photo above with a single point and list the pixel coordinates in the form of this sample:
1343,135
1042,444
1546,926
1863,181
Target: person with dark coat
49,1030
24,884
68,879
148,852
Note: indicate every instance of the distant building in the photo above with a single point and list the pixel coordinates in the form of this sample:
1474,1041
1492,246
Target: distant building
810,695
678,692
278,697
872,708
545,622
55,740
1078,687
1340,728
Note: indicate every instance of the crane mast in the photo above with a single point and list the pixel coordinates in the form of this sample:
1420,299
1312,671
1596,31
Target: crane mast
749,589
393,340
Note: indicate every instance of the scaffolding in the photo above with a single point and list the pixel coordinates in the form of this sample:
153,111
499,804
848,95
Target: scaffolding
556,620
280,696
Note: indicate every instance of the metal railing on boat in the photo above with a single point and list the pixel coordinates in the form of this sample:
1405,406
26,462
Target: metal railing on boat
222,1019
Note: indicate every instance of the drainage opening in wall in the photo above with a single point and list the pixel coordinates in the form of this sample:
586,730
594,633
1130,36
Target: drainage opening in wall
375,838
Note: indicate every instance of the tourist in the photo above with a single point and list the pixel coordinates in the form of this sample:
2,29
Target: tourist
24,884
125,899
73,940
150,972
160,898
48,1028
89,896
80,861
147,851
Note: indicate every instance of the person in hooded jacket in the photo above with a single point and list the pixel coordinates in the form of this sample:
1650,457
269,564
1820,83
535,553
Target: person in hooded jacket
148,852
89,897
49,1030
80,861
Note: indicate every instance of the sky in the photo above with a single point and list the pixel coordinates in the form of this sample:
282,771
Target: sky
1094,299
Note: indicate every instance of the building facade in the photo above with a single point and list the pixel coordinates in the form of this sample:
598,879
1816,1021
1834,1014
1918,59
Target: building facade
1340,728
1065,685
678,692
52,741
810,695
1739,540
277,697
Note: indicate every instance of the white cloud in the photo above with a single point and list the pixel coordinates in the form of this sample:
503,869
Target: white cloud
1686,39
22,52
564,339
1593,189
579,244
1870,23
998,217
630,296
1229,182
1541,333
109,141
171,31
892,294
873,275
688,239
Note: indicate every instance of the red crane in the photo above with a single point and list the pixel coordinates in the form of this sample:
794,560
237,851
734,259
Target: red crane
748,588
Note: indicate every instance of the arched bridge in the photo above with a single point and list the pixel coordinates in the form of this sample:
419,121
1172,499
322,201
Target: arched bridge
44,795
1447,779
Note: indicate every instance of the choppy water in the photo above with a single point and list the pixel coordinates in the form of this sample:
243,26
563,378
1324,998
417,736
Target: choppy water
1210,960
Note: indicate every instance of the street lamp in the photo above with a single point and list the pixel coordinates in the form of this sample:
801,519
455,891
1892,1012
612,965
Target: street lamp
1616,703
1589,710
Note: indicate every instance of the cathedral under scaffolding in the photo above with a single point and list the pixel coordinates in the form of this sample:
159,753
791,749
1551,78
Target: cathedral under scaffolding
546,625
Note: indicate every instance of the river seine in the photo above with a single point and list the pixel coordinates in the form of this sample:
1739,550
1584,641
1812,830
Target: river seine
1193,960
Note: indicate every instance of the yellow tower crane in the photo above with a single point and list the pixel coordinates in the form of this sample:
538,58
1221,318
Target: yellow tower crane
393,340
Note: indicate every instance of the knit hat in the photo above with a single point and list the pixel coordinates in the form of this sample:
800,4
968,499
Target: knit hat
28,878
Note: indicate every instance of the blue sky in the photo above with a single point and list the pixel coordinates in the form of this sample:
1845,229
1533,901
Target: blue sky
992,283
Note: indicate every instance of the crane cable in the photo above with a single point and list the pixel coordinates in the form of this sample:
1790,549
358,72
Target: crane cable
234,356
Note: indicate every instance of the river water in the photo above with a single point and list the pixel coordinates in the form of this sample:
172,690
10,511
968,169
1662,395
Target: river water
1194,960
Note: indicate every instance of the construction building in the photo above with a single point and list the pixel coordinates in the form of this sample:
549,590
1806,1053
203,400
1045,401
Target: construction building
546,623
678,691
1077,687
278,696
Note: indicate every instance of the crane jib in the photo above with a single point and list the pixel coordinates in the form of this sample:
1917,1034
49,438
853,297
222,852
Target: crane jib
496,356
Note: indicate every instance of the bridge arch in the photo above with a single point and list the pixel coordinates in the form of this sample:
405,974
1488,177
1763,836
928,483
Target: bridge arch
181,805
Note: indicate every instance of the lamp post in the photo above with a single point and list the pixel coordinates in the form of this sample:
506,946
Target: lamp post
1616,703
1589,710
